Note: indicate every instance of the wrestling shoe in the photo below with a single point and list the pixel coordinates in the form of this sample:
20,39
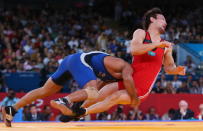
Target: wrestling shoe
8,113
78,110
63,105
65,118
77,113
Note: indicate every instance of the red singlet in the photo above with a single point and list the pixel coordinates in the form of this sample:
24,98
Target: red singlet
146,69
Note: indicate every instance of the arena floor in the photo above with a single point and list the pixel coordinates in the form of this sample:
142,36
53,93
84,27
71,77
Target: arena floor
106,126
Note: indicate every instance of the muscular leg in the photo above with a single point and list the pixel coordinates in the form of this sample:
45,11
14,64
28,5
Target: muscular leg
81,95
77,96
48,89
119,97
103,93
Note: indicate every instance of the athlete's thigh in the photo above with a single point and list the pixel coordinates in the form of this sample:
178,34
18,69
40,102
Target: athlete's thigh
50,86
107,90
123,98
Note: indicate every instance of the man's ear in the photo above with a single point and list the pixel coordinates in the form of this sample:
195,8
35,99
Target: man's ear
152,19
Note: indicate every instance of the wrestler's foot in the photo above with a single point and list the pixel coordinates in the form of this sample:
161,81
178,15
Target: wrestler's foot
63,105
78,110
8,113
65,118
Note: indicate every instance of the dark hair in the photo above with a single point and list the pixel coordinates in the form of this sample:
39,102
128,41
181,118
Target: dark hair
150,13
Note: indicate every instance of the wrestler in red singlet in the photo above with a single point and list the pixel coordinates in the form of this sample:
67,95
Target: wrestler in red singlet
146,69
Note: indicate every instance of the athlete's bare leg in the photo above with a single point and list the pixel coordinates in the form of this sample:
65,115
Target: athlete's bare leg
89,91
48,89
81,95
119,97
103,93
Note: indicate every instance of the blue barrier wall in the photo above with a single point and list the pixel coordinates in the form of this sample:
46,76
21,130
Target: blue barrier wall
190,49
22,81
27,81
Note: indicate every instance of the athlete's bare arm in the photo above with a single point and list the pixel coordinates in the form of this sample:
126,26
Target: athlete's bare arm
137,46
169,64
129,84
123,70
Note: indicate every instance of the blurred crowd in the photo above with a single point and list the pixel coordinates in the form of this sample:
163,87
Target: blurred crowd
37,40
190,85
184,22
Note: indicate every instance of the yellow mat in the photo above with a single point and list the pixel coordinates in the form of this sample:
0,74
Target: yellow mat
106,126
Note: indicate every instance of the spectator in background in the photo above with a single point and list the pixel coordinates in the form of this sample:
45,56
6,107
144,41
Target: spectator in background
47,59
48,43
170,89
102,116
130,115
183,113
189,80
118,114
47,114
200,115
26,111
183,89
10,99
108,31
190,65
73,43
102,41
152,115
34,115
169,115
113,46
176,83
136,114
73,85
163,80
158,88
194,88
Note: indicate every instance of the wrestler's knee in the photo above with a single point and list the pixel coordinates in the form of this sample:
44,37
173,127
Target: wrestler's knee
92,93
